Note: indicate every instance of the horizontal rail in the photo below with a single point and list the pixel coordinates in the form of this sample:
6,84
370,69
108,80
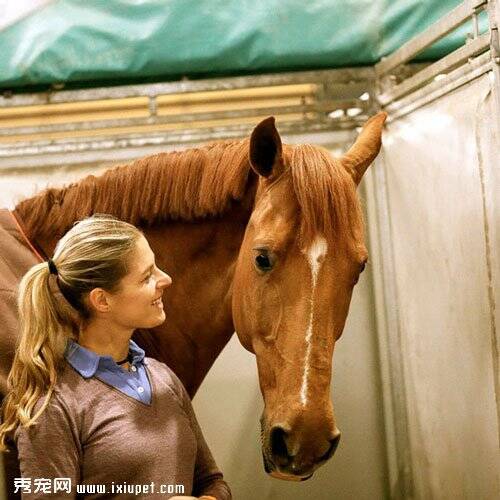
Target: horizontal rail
471,49
320,107
436,31
344,75
17,155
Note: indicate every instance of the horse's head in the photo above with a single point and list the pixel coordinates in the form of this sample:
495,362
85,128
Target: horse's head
301,256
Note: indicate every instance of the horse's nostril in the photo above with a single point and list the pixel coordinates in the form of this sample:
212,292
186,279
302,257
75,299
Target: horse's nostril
279,449
331,450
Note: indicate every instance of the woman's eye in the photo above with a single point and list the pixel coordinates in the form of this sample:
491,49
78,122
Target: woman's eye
263,262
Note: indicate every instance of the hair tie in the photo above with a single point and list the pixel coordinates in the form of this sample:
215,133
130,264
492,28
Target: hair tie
52,267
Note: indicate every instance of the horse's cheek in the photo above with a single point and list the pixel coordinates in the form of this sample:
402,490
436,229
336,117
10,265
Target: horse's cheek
269,311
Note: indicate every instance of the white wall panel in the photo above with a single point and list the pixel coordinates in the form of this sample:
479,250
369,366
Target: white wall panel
441,171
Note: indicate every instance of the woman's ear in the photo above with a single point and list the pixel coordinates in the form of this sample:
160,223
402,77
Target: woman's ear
98,300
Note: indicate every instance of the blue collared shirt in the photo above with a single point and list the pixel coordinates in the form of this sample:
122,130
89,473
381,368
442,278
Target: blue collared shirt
134,383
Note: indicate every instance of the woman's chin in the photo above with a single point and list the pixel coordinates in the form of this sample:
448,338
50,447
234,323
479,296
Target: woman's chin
161,318
152,320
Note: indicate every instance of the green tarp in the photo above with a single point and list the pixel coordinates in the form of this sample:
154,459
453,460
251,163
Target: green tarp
116,41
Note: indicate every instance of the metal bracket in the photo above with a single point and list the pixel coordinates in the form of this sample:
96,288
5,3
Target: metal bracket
494,44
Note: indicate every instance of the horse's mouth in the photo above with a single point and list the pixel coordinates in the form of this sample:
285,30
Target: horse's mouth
271,469
289,477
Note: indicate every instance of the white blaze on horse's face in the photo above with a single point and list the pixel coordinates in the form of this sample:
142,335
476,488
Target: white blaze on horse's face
315,255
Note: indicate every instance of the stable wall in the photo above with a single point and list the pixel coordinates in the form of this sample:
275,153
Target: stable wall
434,200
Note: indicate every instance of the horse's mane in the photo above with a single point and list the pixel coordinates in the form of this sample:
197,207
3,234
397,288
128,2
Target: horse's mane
166,186
197,183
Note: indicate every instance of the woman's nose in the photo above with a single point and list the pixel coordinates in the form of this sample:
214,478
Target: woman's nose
165,280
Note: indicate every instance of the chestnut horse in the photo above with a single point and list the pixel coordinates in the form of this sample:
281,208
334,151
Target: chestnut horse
260,238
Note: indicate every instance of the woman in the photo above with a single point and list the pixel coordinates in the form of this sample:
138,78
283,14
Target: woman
84,402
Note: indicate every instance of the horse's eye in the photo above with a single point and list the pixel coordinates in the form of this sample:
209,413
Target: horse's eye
263,262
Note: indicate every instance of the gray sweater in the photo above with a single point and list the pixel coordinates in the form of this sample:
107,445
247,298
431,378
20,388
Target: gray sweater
99,437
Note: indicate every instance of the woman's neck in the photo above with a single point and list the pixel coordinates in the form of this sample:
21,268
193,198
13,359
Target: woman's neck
105,339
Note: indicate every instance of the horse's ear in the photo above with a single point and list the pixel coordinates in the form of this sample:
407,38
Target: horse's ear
366,147
266,152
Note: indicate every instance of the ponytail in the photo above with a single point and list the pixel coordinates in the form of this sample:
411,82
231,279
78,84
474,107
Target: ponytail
45,326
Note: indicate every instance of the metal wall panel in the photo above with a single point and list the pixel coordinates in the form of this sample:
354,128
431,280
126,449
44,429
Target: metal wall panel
438,177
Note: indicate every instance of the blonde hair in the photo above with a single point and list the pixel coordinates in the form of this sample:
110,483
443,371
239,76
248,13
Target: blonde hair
93,253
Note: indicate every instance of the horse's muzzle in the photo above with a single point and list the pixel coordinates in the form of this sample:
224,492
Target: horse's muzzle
289,463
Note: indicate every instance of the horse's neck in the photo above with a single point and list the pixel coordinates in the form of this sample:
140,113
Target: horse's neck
200,258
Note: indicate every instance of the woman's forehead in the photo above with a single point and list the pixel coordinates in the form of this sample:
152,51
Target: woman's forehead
141,257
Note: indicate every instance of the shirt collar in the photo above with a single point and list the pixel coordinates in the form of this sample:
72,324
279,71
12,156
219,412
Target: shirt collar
87,362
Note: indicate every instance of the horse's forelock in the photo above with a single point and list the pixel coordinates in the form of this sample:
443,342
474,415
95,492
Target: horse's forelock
326,195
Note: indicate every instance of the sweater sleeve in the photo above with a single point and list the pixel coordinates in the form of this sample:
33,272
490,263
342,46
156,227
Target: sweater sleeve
47,450
208,479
